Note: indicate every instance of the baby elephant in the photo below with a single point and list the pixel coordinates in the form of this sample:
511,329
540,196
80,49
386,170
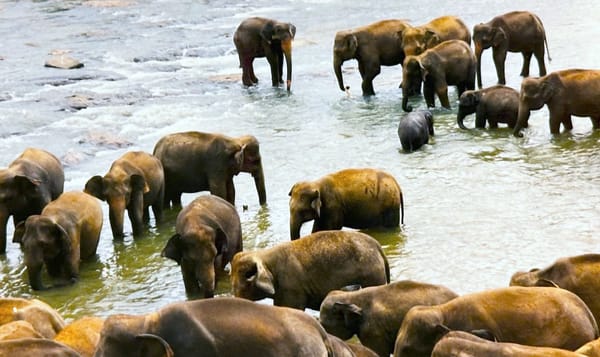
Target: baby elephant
414,130
66,232
208,234
300,273
496,104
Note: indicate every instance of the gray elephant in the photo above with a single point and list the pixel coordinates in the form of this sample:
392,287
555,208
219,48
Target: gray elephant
374,45
32,180
415,40
66,232
415,129
375,314
291,273
355,198
517,31
134,182
194,161
449,63
496,104
260,37
566,93
208,235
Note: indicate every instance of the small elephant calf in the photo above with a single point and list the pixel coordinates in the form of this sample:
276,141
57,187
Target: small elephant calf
496,104
414,130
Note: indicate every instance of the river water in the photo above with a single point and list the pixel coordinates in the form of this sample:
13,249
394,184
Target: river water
480,204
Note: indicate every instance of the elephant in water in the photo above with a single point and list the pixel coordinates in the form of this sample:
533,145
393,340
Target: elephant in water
415,129
415,40
496,104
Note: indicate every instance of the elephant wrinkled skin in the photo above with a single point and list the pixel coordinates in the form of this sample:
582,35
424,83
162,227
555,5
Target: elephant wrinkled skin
415,40
414,130
82,335
496,104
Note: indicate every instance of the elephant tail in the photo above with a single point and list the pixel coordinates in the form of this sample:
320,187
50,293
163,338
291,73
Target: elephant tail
402,207
387,267
545,38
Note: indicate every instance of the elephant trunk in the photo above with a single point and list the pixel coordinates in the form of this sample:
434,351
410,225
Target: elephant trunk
295,225
116,213
478,51
337,67
405,106
3,221
35,276
522,120
459,118
259,182
286,46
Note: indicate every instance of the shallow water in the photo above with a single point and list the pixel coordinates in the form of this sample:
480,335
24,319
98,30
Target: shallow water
480,204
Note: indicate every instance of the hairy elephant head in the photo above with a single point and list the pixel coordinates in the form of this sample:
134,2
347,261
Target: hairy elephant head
305,205
413,75
121,191
416,40
486,36
467,104
535,92
250,277
344,48
252,163
284,33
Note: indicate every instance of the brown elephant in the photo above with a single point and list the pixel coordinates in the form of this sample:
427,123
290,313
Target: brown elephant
517,31
577,274
354,198
449,63
374,45
291,273
260,37
541,316
215,327
415,40
342,348
44,319
15,330
208,235
35,347
375,314
460,343
134,182
590,349
195,161
66,232
496,104
566,93
32,180
82,335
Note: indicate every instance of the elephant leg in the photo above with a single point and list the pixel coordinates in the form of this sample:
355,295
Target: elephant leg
567,123
251,72
595,122
146,215
499,55
556,119
442,92
136,218
493,124
429,94
368,72
526,63
230,191
391,217
157,210
273,60
218,187
247,69
3,221
480,118
539,56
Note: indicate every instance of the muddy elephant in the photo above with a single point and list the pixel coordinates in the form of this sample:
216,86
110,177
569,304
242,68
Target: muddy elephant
197,328
354,198
496,104
15,330
415,129
374,314
577,274
566,93
44,319
260,37
82,335
374,45
539,316
134,182
415,40
207,236
449,63
66,232
517,31
590,349
349,349
36,347
291,273
195,161
32,180
460,343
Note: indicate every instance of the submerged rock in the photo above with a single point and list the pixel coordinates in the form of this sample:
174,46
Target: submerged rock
63,61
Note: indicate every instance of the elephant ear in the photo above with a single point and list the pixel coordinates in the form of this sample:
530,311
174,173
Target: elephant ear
352,42
431,39
546,90
64,239
138,182
95,187
546,283
221,243
292,30
173,249
316,203
261,277
153,346
267,32
423,69
352,315
26,183
499,37
19,232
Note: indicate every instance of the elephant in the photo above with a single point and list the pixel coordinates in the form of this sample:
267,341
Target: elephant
134,182
15,330
590,349
44,319
223,326
567,92
577,274
32,180
194,161
375,313
449,63
342,348
460,343
35,347
414,130
516,31
208,235
354,198
415,40
540,316
496,104
260,37
66,232
291,273
374,45
82,335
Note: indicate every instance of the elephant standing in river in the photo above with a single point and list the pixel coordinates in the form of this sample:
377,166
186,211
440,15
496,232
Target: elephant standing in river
414,130
260,37
195,161
517,31
415,40
496,104
566,93
32,180
374,45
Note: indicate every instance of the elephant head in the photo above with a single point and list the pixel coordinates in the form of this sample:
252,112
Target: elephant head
252,163
305,205
416,40
413,75
486,36
344,48
535,92
468,102
121,191
283,32
250,278
340,318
